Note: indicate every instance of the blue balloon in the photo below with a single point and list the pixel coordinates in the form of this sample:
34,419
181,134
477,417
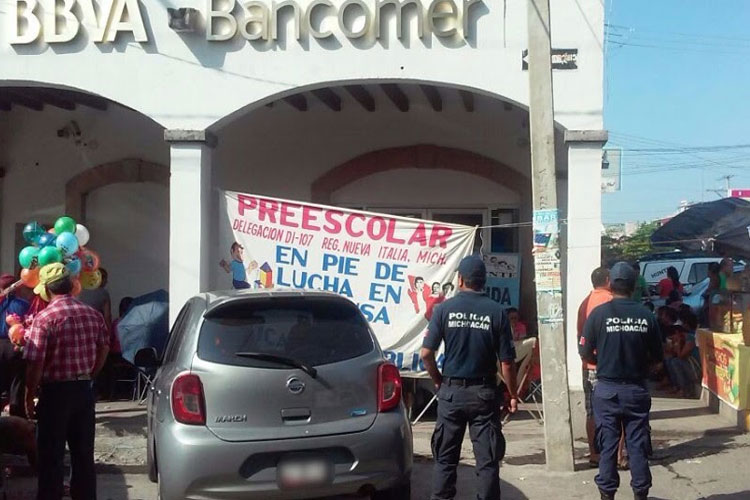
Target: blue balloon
74,266
67,243
45,240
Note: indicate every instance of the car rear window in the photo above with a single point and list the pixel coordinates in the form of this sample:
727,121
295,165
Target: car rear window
315,331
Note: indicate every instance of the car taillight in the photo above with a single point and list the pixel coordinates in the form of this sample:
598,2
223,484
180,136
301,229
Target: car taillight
188,404
389,387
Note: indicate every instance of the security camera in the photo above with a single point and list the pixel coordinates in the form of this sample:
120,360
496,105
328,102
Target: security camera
71,129
182,20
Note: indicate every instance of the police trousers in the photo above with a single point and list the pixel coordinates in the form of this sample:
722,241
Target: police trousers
618,405
477,406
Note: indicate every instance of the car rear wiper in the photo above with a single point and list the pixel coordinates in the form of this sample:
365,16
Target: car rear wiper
281,360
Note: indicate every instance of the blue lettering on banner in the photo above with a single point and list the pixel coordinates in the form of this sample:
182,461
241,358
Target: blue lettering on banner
381,292
504,291
340,264
291,256
302,279
385,271
375,314
413,362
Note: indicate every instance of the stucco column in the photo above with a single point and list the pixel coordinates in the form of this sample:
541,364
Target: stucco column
190,215
583,246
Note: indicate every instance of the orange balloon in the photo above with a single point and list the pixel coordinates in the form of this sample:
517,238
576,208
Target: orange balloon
30,277
16,333
76,288
89,260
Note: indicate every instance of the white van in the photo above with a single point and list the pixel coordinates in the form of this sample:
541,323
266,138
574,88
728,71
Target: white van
692,268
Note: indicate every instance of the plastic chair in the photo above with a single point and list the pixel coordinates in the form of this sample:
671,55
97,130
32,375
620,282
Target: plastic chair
530,382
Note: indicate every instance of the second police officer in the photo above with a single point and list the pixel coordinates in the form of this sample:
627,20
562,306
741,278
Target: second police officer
622,338
477,335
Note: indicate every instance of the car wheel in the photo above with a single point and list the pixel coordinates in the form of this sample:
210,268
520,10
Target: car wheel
151,460
400,492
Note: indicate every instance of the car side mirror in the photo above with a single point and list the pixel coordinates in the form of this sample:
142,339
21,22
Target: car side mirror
146,357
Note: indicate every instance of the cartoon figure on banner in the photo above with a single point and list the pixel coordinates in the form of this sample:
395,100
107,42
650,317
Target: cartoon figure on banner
424,298
252,276
63,243
432,299
416,287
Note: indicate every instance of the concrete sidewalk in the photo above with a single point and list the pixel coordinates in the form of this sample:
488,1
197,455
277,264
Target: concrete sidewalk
701,456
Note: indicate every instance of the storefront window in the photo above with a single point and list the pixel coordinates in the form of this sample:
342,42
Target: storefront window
504,239
493,240
465,218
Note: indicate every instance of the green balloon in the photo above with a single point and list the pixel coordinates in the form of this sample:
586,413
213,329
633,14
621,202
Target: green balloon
49,255
27,255
65,224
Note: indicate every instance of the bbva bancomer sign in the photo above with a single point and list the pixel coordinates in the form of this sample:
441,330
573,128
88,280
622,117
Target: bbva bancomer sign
61,21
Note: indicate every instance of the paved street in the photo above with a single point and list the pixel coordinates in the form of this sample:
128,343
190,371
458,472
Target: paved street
692,446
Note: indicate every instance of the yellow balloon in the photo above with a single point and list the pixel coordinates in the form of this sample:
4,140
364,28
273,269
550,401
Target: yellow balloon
91,279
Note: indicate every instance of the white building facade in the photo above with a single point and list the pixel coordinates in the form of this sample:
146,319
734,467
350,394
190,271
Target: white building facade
131,116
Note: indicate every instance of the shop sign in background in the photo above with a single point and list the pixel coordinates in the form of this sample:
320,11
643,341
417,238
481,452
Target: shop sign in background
396,269
503,278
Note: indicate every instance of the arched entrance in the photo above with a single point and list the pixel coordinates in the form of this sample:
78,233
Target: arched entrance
412,148
422,157
68,151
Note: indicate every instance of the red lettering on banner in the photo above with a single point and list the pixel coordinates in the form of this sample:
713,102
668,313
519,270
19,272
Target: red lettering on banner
391,236
349,228
287,214
371,229
419,235
439,236
333,224
268,208
308,218
246,202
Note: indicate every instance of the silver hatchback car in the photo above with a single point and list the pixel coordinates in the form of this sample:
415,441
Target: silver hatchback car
275,395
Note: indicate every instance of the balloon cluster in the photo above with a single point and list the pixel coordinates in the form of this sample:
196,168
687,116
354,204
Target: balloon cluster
63,243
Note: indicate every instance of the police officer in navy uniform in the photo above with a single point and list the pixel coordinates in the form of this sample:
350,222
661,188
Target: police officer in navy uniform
622,337
477,334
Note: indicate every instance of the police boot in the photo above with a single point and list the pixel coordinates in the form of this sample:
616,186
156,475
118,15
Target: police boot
640,496
606,496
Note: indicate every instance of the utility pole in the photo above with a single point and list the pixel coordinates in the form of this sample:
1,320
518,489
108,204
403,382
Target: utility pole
727,179
558,432
723,193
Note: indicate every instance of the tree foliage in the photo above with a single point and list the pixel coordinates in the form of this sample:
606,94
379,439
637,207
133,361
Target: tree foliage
630,248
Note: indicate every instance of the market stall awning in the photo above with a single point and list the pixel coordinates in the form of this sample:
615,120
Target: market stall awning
735,242
698,227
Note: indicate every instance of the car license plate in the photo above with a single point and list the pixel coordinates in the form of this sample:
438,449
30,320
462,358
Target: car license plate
303,472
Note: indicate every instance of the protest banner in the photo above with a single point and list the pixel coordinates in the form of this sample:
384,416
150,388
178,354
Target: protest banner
396,269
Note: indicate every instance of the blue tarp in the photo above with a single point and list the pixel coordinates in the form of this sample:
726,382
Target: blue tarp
146,324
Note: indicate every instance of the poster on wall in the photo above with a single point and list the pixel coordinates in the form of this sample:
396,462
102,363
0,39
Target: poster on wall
396,269
547,273
503,278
